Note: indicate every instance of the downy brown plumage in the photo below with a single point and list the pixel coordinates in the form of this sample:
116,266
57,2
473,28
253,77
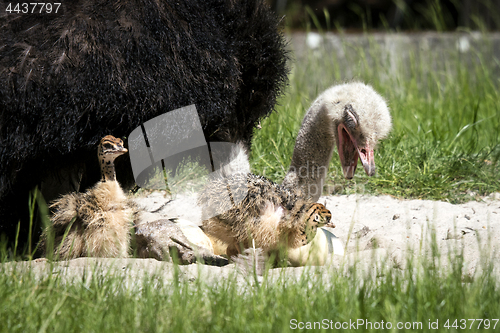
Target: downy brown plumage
99,219
243,210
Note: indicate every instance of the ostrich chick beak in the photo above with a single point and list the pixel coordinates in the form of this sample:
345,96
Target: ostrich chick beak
349,151
119,151
367,158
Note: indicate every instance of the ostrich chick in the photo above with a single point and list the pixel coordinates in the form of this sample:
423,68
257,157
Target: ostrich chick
95,223
244,207
351,116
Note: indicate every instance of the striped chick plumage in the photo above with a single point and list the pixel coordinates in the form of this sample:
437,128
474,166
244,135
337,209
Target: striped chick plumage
245,207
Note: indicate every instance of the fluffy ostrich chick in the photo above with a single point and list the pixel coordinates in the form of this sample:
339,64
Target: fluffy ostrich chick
351,116
95,223
248,210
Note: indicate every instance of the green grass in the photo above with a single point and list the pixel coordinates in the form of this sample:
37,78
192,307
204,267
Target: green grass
445,142
102,303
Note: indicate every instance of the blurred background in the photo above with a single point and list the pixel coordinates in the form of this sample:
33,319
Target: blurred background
399,15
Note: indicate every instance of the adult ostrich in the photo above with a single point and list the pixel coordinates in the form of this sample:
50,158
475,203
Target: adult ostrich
99,67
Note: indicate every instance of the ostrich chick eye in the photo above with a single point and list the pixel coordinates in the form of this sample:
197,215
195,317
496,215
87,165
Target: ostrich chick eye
350,117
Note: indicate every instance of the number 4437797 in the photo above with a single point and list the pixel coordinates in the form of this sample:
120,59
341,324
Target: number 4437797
33,7
471,324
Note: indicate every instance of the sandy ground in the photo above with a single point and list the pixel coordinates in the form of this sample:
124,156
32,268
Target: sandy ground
393,226
398,226
380,227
